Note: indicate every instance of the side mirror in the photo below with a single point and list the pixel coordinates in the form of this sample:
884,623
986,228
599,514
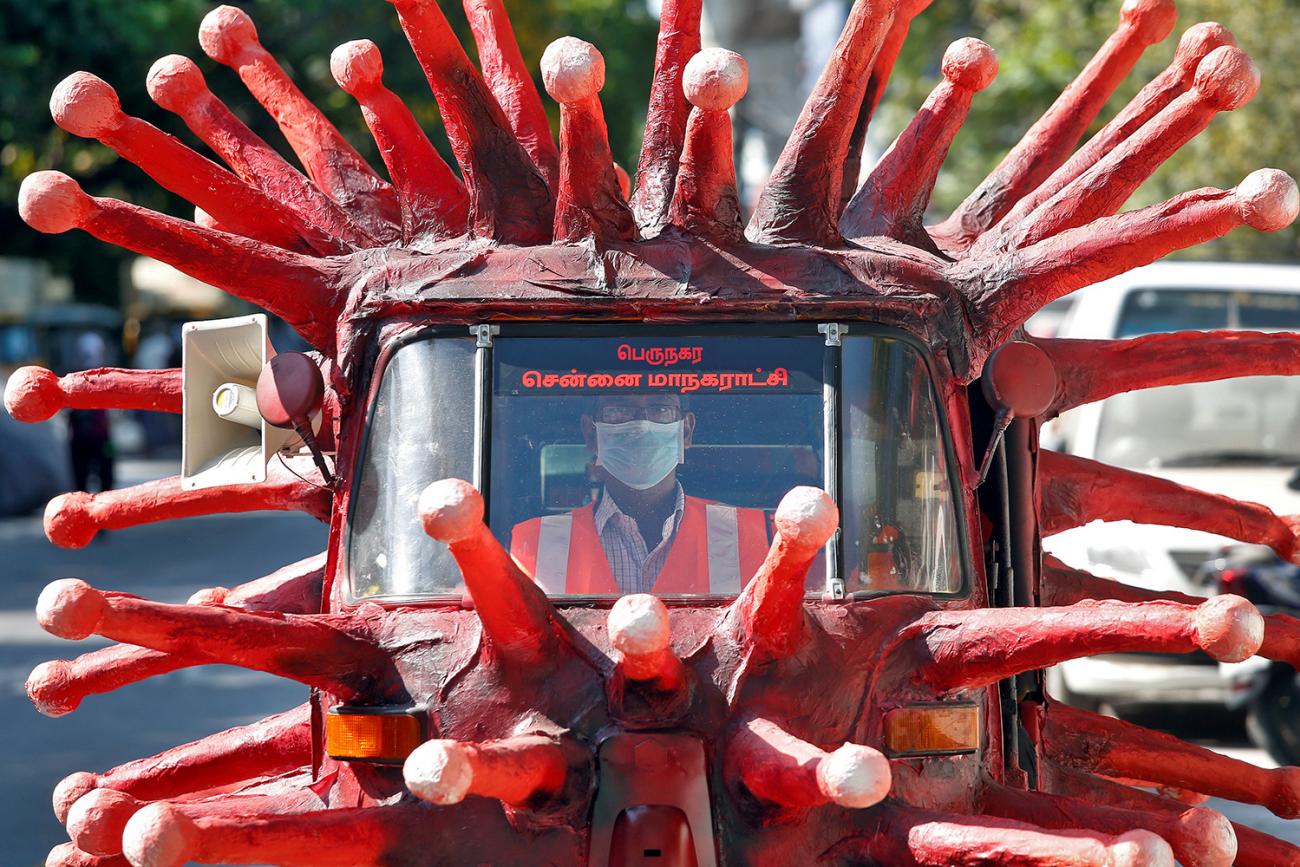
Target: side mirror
290,391
1019,381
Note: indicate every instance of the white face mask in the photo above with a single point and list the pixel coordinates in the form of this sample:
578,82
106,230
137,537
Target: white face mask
640,454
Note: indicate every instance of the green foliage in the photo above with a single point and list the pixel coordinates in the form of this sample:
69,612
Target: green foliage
1042,44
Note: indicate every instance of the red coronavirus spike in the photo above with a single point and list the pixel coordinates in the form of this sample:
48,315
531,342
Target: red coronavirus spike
1102,368
1176,79
1199,837
176,84
87,106
58,687
97,821
434,201
705,200
1225,80
509,199
1050,141
1091,742
893,199
881,71
639,632
34,394
521,772
161,835
767,762
588,201
271,746
68,855
665,124
1026,280
927,839
72,520
801,201
1061,585
769,615
967,649
304,291
517,618
313,650
292,589
1074,491
1254,848
229,37
508,77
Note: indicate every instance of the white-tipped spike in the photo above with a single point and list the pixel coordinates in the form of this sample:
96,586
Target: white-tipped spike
439,772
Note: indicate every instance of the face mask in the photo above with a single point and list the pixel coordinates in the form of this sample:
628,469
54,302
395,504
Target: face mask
640,454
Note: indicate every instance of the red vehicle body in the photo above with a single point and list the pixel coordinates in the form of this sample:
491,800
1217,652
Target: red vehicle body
487,722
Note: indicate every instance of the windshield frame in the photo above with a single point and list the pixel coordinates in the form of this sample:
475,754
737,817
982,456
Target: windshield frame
832,478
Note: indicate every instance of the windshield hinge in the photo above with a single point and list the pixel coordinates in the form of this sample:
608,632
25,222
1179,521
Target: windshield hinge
484,334
834,332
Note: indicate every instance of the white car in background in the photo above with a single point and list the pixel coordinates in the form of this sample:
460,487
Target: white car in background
1237,437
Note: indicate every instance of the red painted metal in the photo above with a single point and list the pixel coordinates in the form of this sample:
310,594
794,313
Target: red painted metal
519,694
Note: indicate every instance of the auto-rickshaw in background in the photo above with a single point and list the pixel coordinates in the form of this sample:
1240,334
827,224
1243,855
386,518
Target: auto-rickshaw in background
655,539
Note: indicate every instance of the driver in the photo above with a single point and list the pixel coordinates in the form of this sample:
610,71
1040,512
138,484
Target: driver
643,534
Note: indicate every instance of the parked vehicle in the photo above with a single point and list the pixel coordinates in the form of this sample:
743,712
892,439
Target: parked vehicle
1240,438
1268,691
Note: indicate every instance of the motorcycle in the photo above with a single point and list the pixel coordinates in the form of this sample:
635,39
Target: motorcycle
1269,691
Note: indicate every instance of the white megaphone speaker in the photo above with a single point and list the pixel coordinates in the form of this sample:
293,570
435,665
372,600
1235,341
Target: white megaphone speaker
225,440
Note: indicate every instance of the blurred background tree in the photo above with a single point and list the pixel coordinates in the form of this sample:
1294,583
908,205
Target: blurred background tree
1041,45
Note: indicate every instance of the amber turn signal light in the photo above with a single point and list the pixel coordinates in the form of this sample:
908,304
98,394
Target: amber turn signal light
922,730
372,735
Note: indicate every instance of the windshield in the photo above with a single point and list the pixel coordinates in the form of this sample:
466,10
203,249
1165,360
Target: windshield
654,463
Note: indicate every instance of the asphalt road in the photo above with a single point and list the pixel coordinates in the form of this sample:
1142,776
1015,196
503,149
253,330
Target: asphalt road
170,561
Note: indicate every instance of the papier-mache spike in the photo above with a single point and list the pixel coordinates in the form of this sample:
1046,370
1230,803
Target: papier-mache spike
705,200
228,36
1176,79
1026,280
588,201
893,198
800,203
87,106
665,125
176,84
509,201
1050,141
305,291
1225,80
433,199
34,394
1074,491
875,92
507,75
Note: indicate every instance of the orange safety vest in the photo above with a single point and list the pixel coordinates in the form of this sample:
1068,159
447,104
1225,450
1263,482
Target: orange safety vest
716,550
